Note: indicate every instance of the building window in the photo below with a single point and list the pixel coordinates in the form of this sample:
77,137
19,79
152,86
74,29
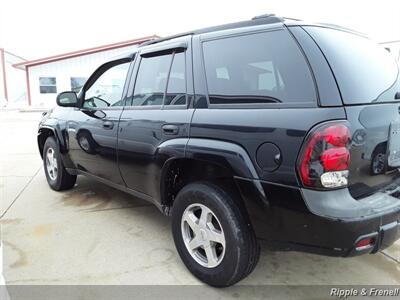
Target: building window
48,85
77,83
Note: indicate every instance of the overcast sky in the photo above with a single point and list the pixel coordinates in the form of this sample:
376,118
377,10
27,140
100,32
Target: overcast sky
35,29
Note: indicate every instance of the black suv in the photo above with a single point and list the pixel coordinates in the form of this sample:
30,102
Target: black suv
271,128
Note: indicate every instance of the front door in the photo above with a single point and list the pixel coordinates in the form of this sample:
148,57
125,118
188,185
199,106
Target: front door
93,128
156,112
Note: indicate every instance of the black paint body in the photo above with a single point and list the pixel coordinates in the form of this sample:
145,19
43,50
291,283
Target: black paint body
129,149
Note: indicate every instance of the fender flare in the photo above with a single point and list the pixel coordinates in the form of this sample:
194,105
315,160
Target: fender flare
228,155
57,133
223,153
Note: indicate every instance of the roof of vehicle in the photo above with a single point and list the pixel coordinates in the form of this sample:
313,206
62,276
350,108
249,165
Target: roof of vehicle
258,20
255,21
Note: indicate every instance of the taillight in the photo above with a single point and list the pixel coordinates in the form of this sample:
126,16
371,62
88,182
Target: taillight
325,156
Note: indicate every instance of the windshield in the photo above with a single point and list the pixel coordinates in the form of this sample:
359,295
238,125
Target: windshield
365,71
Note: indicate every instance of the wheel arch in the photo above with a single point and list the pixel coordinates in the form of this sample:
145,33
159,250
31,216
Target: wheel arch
46,131
380,145
207,160
43,134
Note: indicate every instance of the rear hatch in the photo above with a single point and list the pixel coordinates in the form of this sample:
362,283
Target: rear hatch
368,79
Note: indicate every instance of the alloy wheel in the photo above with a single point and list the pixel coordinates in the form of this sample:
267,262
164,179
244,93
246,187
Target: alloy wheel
203,235
51,164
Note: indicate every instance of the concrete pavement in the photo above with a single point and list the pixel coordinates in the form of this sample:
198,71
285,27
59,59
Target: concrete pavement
94,234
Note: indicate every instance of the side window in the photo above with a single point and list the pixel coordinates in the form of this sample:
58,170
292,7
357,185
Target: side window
107,90
151,80
176,90
265,67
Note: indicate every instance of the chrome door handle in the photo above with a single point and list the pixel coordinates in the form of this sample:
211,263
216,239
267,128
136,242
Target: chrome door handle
170,129
108,125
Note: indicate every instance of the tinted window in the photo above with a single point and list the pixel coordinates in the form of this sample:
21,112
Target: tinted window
365,71
48,85
151,80
107,89
265,67
176,90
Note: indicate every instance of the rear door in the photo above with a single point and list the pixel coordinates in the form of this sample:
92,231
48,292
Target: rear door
93,128
368,79
157,110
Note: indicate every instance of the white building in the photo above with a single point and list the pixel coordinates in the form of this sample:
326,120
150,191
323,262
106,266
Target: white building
46,77
11,80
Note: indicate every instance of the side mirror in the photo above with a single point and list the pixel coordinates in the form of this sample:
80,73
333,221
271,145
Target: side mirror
67,99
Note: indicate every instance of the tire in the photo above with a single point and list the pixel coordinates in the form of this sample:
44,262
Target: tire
241,252
57,177
378,160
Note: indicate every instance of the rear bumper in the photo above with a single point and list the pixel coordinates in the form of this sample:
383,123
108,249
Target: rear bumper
385,237
328,223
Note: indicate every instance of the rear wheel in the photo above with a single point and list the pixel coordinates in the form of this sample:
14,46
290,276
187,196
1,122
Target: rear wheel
57,177
212,235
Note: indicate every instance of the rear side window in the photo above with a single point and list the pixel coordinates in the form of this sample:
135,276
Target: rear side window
364,70
265,67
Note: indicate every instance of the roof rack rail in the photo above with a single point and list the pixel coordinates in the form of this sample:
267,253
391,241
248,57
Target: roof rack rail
292,19
155,41
263,16
258,20
342,28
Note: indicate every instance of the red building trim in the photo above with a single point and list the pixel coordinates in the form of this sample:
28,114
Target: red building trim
28,86
87,51
3,64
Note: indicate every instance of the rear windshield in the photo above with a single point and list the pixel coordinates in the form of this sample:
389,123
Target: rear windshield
265,67
364,70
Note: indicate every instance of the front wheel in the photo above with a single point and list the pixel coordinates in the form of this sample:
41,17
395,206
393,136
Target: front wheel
57,177
212,235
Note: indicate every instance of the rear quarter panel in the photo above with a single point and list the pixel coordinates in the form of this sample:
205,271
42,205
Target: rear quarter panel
250,128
